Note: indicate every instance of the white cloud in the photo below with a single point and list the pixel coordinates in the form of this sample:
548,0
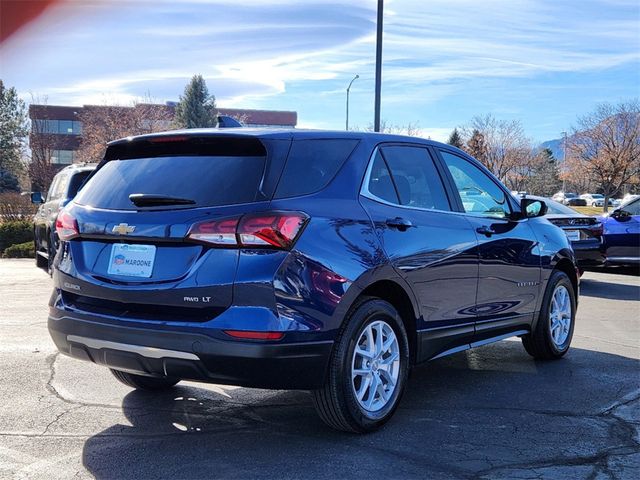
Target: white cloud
301,55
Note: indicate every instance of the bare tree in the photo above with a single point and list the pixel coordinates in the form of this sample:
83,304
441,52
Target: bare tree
41,170
411,129
505,149
104,123
605,146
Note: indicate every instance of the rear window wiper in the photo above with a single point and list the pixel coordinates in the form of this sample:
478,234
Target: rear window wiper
154,199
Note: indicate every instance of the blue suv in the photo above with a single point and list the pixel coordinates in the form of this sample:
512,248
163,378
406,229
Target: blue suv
327,261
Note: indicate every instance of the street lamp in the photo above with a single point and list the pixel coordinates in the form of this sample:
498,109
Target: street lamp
348,88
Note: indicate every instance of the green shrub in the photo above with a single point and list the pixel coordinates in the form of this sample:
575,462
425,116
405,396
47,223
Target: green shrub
20,250
12,233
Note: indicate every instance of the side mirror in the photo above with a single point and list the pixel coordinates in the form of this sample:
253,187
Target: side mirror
36,197
532,208
620,215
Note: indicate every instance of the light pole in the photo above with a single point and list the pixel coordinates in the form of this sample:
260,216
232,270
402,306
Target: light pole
564,161
349,88
376,118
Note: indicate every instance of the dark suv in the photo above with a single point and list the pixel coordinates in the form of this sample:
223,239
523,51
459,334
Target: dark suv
327,261
64,187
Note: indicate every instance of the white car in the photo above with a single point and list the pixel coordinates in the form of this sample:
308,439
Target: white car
594,199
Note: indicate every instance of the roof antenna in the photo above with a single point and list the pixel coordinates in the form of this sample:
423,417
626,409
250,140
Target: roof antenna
225,121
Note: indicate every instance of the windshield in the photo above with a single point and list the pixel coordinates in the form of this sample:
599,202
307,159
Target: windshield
208,181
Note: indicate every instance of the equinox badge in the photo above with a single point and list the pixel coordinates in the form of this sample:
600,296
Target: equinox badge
123,229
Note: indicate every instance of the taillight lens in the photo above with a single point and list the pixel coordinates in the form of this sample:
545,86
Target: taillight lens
218,232
597,230
270,229
66,226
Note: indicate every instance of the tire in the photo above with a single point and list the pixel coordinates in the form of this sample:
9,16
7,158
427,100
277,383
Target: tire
41,262
52,248
141,382
337,402
541,343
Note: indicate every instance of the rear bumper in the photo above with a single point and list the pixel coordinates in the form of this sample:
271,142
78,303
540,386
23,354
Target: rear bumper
190,356
588,253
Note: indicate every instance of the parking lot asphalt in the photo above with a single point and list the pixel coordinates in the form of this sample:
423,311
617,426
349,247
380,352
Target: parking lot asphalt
491,412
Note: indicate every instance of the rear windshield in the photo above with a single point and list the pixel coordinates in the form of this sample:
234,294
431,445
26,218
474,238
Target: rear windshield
207,180
558,208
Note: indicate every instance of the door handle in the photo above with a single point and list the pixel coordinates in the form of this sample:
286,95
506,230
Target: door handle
400,223
484,230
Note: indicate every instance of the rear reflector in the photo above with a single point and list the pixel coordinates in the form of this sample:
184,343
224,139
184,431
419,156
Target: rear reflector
251,335
66,226
269,229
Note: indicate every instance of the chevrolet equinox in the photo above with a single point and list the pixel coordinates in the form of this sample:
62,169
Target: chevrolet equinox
326,261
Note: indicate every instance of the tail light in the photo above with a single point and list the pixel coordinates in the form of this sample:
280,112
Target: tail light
597,229
270,229
66,226
219,232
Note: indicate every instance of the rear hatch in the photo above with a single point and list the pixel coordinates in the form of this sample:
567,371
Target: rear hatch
133,256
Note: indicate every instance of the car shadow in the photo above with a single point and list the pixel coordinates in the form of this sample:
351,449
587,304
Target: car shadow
486,411
610,290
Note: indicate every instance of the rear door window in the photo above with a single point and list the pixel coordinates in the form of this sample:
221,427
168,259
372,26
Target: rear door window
207,180
380,184
312,164
407,176
415,177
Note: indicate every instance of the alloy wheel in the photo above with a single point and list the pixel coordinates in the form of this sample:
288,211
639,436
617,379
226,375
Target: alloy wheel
560,316
375,366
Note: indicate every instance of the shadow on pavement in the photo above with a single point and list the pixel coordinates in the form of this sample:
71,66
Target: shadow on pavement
633,270
610,290
491,411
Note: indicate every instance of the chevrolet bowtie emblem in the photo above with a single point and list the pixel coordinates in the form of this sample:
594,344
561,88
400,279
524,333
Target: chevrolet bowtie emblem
123,229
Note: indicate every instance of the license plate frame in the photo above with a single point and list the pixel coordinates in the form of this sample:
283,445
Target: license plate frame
573,235
132,260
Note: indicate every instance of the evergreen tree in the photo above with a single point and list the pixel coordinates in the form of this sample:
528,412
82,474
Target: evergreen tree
197,109
476,146
544,179
13,130
455,139
8,182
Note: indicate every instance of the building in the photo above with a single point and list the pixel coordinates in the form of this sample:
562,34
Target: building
58,129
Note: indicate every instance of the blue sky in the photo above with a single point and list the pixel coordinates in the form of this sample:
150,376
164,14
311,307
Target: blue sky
445,61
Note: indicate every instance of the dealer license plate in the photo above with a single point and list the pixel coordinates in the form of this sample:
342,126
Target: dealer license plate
132,260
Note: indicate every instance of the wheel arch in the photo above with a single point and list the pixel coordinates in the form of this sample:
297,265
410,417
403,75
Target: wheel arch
394,290
396,295
566,265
